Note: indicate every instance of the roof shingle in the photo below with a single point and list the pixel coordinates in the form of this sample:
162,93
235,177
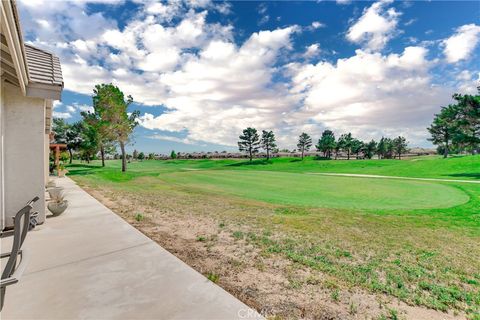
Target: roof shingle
43,67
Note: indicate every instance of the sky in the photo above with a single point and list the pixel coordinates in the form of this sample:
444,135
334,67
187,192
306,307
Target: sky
201,71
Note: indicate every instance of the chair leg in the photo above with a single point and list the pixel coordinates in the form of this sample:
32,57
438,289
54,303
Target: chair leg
2,297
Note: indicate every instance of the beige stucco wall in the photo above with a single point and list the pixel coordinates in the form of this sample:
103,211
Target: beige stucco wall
46,155
2,131
23,152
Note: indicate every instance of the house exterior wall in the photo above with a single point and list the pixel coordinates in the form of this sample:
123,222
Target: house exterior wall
23,152
46,156
2,134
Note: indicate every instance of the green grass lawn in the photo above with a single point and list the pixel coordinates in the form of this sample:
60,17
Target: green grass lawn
321,191
418,241
460,167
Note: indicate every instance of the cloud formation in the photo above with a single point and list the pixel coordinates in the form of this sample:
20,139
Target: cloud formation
357,94
375,27
212,86
461,44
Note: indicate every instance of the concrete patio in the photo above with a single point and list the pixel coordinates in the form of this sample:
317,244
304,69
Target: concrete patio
89,263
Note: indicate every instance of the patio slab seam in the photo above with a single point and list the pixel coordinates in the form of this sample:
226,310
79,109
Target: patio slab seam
86,259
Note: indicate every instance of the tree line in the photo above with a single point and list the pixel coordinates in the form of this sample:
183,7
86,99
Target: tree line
108,126
456,128
250,141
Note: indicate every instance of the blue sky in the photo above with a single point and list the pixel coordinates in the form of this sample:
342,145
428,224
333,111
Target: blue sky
201,71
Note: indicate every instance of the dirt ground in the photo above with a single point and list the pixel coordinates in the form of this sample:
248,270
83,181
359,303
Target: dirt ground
196,231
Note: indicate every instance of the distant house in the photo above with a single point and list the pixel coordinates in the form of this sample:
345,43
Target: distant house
31,81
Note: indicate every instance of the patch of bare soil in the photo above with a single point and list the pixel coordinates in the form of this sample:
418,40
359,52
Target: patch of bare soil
192,229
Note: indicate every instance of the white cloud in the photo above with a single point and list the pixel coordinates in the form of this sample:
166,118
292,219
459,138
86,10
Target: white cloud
460,45
375,27
312,50
76,107
317,24
264,19
57,104
468,81
173,139
85,107
358,93
212,87
62,115
71,109
227,88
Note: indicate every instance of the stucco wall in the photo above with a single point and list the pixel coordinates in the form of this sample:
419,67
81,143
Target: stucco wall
2,131
24,152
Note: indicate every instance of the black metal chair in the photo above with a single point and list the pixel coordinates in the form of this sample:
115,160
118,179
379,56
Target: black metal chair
23,221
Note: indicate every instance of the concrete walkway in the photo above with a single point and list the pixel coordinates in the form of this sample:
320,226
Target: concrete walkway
90,264
390,177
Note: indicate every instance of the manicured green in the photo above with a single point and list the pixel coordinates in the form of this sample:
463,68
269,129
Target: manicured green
322,191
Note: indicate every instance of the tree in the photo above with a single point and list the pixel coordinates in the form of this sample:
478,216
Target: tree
304,143
249,142
381,148
173,155
444,128
345,143
110,104
69,134
385,148
105,138
337,150
151,156
468,120
141,156
59,129
63,157
74,138
326,143
268,142
389,148
400,146
369,149
135,154
357,147
89,144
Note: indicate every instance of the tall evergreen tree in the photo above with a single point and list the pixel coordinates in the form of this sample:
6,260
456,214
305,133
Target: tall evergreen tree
304,143
369,149
345,142
468,120
357,147
389,148
89,144
385,148
249,142
444,128
326,143
400,146
382,148
268,142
